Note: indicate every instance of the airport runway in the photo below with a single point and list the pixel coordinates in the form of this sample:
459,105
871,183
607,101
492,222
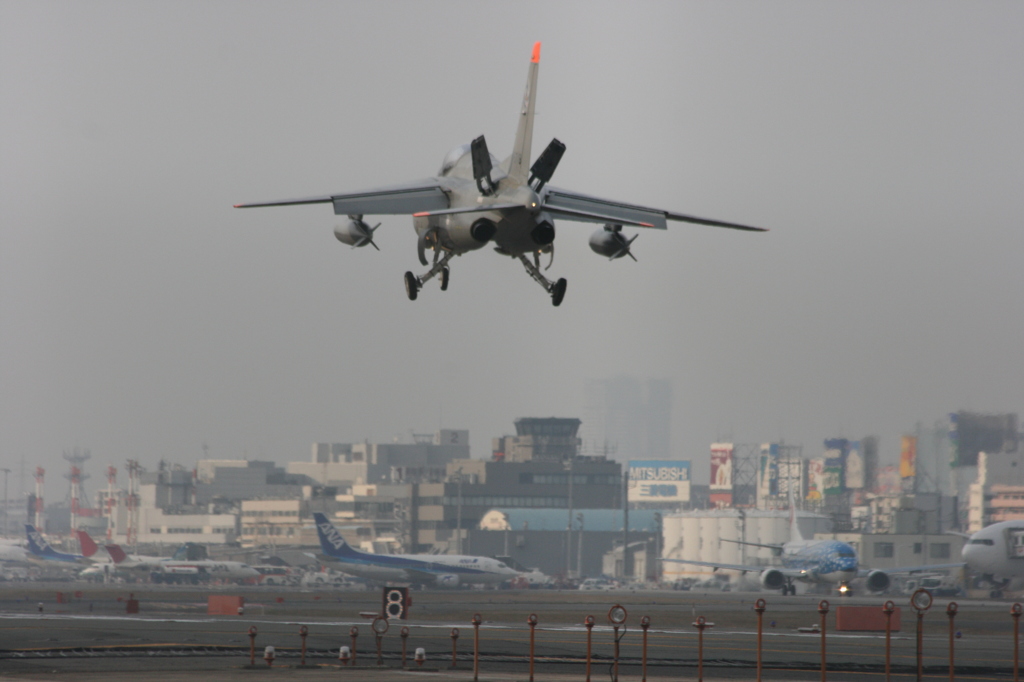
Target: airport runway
173,638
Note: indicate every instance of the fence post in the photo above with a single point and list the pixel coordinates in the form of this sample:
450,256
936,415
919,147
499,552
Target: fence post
532,622
617,616
353,632
921,600
380,626
303,631
645,623
888,608
700,624
951,608
252,645
823,610
404,634
759,607
455,640
1015,611
589,622
476,646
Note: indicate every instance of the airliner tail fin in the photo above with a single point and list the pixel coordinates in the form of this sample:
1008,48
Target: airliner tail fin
331,541
87,544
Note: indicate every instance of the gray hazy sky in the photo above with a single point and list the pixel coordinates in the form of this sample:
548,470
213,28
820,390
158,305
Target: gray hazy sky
142,316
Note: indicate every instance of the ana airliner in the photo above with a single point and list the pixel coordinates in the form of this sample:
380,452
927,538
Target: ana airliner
444,570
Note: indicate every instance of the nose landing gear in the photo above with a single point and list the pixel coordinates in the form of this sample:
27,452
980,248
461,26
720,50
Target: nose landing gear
413,284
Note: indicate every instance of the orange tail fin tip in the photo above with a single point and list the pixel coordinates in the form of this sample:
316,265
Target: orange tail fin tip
536,52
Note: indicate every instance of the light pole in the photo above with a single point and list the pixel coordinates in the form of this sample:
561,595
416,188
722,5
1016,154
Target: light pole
579,548
7,509
458,514
568,528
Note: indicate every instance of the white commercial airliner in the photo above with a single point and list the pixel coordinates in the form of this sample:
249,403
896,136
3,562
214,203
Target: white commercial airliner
184,566
997,552
815,561
444,570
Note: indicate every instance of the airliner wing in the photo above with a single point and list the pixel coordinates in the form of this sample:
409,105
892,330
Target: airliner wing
795,573
716,565
407,198
575,206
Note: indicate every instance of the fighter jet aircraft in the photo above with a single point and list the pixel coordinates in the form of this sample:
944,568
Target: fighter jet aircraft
476,200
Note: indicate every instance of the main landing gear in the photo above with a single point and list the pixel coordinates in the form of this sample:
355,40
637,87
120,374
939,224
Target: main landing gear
413,284
556,289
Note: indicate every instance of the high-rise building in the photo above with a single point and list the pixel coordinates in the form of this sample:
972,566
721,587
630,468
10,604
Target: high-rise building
628,418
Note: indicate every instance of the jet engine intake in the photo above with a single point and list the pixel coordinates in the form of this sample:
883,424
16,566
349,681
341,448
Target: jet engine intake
611,243
878,581
483,230
355,233
772,579
543,234
448,580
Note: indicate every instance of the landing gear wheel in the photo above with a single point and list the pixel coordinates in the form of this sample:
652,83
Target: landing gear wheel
558,292
412,287
444,279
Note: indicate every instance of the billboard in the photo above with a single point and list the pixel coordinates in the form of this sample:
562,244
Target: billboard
908,456
721,474
721,466
972,433
835,466
659,481
791,472
815,478
768,471
854,466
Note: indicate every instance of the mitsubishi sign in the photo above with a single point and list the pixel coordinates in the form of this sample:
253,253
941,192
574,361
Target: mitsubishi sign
659,480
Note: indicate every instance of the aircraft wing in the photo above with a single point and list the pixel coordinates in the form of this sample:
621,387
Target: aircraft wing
712,564
586,208
408,198
795,573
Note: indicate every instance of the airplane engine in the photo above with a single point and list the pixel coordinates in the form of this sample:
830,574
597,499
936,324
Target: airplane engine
543,234
611,243
772,579
878,581
448,580
354,233
483,230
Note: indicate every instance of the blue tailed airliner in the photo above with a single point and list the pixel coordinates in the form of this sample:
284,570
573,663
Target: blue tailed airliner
445,570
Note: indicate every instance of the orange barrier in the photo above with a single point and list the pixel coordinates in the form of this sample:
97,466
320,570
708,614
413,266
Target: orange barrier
865,619
224,605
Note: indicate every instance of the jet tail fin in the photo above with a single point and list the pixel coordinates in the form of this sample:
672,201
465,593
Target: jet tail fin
37,544
331,542
519,162
87,544
117,554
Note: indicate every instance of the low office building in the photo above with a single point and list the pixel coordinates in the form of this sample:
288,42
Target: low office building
895,550
343,465
444,512
543,538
